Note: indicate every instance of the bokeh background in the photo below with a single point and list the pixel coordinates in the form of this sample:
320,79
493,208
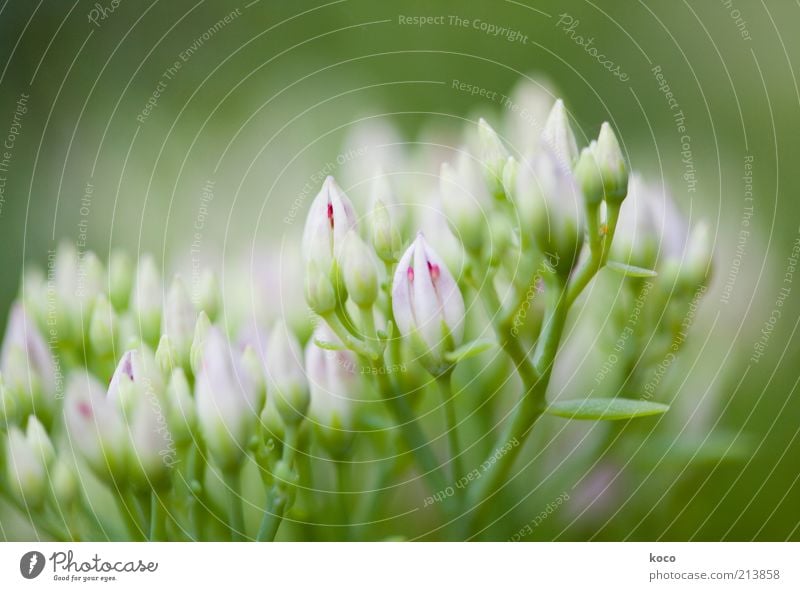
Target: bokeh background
266,101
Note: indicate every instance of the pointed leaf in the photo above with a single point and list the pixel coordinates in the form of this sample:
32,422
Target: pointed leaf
605,409
468,350
630,270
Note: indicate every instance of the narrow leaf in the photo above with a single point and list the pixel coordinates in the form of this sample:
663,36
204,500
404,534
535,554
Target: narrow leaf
605,409
630,270
468,350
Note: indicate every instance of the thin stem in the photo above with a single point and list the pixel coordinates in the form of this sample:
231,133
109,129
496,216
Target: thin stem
341,505
273,516
158,518
233,481
451,420
131,523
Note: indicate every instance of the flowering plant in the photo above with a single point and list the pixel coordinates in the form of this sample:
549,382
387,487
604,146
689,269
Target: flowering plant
428,370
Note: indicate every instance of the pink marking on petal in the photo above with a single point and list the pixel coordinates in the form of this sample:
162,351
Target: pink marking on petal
434,271
410,274
330,214
85,409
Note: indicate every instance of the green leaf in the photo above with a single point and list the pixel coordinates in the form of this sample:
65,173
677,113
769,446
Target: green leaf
329,346
630,270
468,350
605,409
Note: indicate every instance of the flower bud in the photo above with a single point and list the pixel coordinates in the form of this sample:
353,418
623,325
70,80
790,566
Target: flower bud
330,217
590,180
550,208
9,411
94,425
66,322
201,329
182,414
64,478
558,136
101,327
28,458
226,401
510,175
209,295
463,195
359,271
120,280
493,155
696,269
333,380
147,300
383,228
285,373
29,372
612,165
166,356
320,293
253,364
179,321
427,305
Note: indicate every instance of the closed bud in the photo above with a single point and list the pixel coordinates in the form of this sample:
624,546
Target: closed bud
288,385
147,300
359,270
510,175
182,416
329,219
179,320
558,136
39,441
209,295
611,162
493,155
696,269
427,305
320,293
9,408
227,404
201,329
120,280
550,208
383,227
463,200
27,469
64,478
590,180
333,381
101,327
166,357
253,364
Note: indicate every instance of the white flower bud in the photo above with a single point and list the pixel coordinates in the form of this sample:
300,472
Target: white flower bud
147,300
463,200
359,271
493,155
427,304
209,295
27,466
589,177
28,369
320,293
94,425
182,416
333,381
289,387
227,401
558,136
383,228
67,318
179,320
696,269
166,356
9,407
330,218
201,329
64,480
550,208
612,165
120,279
101,326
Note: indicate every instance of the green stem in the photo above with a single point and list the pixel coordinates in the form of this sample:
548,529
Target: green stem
341,505
451,421
273,516
129,518
233,480
158,518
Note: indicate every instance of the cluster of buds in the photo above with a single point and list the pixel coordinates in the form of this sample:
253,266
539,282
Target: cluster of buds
186,391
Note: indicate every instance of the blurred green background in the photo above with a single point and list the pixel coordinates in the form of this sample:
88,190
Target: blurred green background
268,98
